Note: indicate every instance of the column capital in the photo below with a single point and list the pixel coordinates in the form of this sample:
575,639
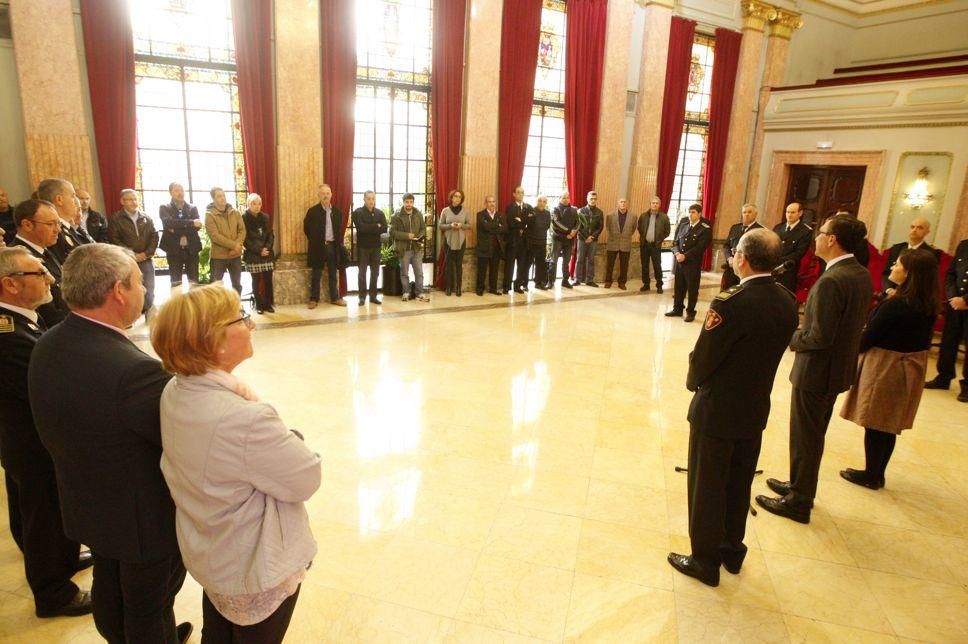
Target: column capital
756,14
668,4
785,23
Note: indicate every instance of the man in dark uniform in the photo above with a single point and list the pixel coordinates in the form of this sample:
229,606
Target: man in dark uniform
748,222
490,245
6,217
826,349
796,236
564,229
918,231
536,235
955,323
179,239
50,558
731,371
37,230
516,252
60,193
693,236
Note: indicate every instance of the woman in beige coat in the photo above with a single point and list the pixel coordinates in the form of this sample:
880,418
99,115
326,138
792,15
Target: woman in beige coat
237,474
890,369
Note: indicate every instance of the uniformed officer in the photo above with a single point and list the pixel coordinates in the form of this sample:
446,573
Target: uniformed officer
693,236
918,231
797,237
50,558
37,229
60,193
747,222
731,371
955,323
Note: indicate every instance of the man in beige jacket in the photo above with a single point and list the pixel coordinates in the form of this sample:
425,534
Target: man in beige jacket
619,226
224,226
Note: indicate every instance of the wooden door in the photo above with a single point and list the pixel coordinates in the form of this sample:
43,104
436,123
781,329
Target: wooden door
823,190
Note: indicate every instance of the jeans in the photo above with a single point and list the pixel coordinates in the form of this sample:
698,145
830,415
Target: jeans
182,262
233,266
411,258
560,248
585,268
148,275
332,277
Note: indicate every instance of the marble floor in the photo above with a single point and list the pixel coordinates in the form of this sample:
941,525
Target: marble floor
505,473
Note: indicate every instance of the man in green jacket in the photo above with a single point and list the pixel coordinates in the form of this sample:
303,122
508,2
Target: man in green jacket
409,234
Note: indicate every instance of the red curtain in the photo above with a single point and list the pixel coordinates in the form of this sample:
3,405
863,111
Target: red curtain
520,33
725,63
338,34
251,21
109,48
446,92
674,104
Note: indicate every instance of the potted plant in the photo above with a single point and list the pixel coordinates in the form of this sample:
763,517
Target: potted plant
390,262
204,258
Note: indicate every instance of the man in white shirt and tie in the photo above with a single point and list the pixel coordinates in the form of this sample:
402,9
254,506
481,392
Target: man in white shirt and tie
797,238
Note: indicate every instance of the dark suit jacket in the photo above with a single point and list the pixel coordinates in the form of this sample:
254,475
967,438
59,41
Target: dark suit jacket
956,277
97,226
55,310
734,362
314,225
369,227
176,224
729,247
516,218
892,256
95,397
692,241
20,446
140,237
827,343
6,222
490,234
662,227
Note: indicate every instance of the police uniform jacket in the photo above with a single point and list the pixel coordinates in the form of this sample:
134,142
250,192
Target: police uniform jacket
67,240
564,221
490,234
517,217
956,277
19,444
55,310
732,239
796,243
692,241
892,256
734,362
177,223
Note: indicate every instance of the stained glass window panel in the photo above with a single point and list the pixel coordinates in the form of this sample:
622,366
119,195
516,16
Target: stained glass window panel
549,81
700,77
199,30
394,40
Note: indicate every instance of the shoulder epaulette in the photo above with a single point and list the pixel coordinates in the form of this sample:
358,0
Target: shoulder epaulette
728,293
702,223
808,227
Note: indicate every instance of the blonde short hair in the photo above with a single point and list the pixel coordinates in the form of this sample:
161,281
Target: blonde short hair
190,328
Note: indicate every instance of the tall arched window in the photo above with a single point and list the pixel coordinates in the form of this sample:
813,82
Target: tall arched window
544,164
187,102
687,188
392,145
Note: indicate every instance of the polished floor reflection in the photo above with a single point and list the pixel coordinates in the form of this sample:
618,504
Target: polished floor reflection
506,474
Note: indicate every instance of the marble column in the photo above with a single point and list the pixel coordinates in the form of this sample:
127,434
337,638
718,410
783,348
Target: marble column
755,16
648,112
777,49
52,95
299,152
482,82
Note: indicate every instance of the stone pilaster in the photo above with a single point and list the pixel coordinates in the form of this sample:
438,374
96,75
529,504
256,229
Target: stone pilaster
648,112
755,16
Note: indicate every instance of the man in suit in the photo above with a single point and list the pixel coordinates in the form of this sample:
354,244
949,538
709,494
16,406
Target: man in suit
490,245
180,241
516,251
370,223
6,217
132,229
323,226
93,222
50,558
536,236
693,236
60,193
591,223
826,361
796,236
955,323
653,227
37,229
862,252
564,229
619,226
95,398
919,229
747,222
731,371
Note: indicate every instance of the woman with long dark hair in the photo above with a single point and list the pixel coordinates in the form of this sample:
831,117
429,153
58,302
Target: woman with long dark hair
894,356
454,224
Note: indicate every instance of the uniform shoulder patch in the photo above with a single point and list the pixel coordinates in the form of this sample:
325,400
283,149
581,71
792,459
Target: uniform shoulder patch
713,320
704,224
808,227
6,324
728,293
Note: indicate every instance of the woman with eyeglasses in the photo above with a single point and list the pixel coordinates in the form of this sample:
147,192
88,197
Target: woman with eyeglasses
893,358
238,476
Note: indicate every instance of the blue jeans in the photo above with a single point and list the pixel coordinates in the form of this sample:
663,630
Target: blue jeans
148,274
585,266
411,258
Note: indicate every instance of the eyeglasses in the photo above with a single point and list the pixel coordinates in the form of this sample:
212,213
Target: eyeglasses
41,273
46,223
823,232
244,318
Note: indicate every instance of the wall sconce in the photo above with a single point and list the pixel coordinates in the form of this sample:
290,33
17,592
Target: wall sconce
919,195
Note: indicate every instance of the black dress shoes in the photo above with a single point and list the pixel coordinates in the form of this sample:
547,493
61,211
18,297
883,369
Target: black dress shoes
938,383
362,301
780,506
519,289
592,284
79,605
688,566
645,288
689,317
270,309
673,314
780,487
184,631
860,477
566,284
658,290
84,560
732,568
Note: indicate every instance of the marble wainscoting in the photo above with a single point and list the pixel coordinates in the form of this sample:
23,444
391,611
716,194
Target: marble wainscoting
291,280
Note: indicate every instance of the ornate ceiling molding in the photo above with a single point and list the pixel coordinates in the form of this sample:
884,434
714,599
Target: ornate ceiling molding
785,23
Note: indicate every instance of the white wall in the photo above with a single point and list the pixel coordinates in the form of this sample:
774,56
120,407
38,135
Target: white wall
896,37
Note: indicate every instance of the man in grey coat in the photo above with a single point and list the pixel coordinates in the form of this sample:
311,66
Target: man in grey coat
826,346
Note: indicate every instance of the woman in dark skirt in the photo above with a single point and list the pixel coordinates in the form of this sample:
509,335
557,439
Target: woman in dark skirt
894,356
257,253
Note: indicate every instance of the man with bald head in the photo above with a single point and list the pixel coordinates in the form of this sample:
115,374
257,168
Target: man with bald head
796,237
94,223
918,231
747,222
